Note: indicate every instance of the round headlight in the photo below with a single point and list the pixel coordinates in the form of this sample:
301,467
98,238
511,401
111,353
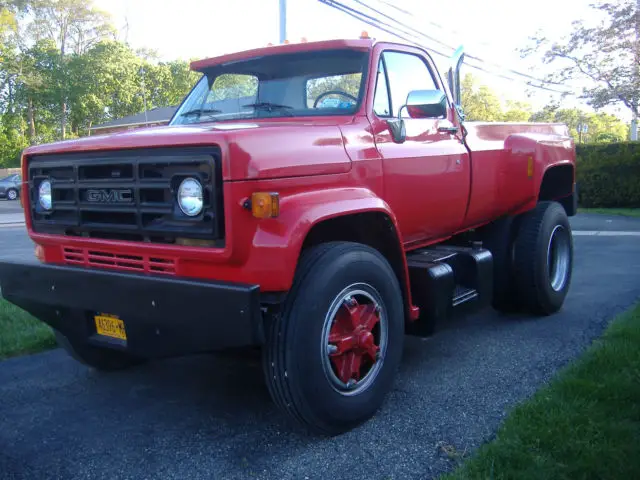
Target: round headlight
44,194
190,197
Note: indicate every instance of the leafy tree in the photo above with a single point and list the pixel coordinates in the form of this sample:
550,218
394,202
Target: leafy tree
606,55
601,127
517,112
12,139
479,103
71,24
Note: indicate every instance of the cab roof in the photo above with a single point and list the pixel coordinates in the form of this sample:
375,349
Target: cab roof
356,44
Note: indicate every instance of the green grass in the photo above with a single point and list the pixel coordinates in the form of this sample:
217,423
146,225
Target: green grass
585,424
21,333
626,212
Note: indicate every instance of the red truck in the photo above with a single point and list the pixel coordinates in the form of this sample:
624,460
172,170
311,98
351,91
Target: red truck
318,201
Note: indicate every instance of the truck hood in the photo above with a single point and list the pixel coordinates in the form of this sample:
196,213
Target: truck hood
250,149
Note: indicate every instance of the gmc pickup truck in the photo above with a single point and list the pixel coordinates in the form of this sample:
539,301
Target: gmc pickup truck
318,201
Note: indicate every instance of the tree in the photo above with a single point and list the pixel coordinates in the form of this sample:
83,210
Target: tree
517,112
62,73
606,55
69,23
601,127
12,139
479,103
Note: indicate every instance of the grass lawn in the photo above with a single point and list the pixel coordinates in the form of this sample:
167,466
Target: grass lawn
21,333
584,424
626,212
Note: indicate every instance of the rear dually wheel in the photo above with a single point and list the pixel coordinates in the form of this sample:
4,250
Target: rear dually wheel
543,258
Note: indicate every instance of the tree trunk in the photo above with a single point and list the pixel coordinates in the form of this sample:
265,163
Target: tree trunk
63,121
32,122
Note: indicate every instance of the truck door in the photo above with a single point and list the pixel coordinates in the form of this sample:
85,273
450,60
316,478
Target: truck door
426,177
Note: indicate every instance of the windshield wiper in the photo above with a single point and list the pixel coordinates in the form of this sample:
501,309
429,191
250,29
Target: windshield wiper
200,111
268,106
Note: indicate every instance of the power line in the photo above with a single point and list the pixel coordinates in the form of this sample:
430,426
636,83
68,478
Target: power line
376,23
467,55
430,22
355,14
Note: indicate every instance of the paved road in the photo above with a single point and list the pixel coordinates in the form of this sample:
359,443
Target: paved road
594,222
211,417
15,244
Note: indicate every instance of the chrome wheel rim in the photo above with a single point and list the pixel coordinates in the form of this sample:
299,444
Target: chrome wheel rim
354,339
559,257
12,195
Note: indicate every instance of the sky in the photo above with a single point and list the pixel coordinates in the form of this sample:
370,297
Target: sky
493,30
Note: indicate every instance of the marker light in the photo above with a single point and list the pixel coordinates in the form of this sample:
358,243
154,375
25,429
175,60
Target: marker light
265,204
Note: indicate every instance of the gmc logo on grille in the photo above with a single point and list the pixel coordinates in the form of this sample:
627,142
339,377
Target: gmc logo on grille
110,196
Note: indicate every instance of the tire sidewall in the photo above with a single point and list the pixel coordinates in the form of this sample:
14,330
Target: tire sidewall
304,362
554,215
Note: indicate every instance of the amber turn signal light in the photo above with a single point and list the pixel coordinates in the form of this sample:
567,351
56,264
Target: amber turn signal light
265,204
39,253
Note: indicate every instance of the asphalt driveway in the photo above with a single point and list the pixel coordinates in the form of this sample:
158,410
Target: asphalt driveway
210,416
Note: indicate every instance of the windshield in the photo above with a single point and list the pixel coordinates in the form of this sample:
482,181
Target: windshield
285,85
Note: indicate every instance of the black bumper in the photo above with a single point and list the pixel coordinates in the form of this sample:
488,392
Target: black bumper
162,316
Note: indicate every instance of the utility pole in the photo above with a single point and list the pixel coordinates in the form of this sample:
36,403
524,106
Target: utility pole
283,20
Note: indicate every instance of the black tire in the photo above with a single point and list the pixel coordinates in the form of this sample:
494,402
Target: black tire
543,268
98,358
498,238
12,194
294,366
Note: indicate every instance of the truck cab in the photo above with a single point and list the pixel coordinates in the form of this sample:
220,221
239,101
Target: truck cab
318,201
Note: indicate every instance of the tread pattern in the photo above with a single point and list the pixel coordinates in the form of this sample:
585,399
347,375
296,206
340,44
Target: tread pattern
275,362
531,293
275,349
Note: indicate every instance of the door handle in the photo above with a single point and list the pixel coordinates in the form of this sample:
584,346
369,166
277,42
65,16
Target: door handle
448,129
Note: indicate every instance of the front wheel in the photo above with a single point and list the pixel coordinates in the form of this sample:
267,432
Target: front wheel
12,194
332,354
543,258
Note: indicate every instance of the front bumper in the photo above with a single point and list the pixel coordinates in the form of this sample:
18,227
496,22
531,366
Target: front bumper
162,316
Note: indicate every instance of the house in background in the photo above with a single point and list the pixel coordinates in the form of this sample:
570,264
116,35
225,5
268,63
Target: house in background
154,117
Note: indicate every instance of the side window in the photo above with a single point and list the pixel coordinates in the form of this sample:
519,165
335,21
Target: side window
406,72
381,105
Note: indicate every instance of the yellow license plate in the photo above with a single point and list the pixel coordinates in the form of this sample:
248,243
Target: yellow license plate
110,326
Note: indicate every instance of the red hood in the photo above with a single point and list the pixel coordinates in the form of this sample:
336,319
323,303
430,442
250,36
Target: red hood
250,150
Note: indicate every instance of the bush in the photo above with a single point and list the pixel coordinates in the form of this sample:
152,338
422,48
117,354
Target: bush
609,175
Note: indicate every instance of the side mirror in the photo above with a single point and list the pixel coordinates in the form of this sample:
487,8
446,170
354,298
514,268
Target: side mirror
426,104
420,104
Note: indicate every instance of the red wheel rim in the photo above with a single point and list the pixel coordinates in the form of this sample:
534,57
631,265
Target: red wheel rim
354,338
